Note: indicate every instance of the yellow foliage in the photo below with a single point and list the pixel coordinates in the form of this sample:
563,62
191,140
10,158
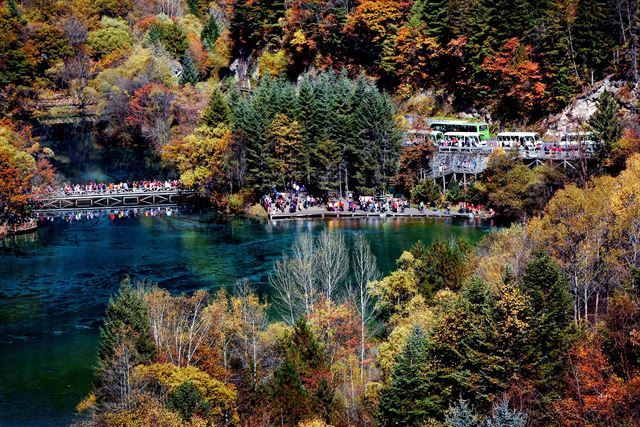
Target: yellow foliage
417,314
398,287
149,413
86,403
272,64
140,61
314,423
201,156
508,248
221,396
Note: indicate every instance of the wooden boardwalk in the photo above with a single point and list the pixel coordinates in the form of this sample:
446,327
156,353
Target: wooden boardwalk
319,213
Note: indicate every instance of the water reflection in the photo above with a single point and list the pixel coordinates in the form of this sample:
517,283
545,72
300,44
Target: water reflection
54,286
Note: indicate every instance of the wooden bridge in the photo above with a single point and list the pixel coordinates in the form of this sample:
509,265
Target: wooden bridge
114,200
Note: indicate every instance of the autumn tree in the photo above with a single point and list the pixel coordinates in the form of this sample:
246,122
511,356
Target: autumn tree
515,81
285,136
408,399
513,189
151,112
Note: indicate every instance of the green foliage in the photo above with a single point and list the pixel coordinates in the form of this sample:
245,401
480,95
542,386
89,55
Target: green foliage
172,37
461,415
361,142
455,193
185,400
432,14
196,6
593,38
189,71
503,416
515,190
154,34
13,9
113,34
298,388
126,318
408,399
210,32
425,191
606,127
550,304
442,265
217,111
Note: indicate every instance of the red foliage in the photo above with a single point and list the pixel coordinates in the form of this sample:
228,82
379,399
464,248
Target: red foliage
595,395
515,78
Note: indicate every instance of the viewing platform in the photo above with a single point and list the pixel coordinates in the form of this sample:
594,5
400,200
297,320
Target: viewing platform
318,212
449,160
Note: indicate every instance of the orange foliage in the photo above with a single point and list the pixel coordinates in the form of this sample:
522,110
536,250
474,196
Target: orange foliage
596,396
514,75
376,20
415,53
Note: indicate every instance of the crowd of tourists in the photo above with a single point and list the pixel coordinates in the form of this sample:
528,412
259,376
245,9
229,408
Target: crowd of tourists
294,201
119,187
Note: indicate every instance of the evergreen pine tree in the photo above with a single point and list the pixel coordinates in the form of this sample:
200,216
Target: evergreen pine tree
432,14
606,127
326,161
189,71
194,7
303,359
550,304
593,38
154,35
406,401
126,313
503,416
210,32
217,111
309,110
13,9
461,415
185,400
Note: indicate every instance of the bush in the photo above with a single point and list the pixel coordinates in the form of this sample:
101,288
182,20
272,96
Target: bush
236,203
113,35
425,191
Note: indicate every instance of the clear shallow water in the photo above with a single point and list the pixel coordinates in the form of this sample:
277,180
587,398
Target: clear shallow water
54,286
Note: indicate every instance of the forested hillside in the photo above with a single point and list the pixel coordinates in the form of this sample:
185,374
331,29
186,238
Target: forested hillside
517,58
136,77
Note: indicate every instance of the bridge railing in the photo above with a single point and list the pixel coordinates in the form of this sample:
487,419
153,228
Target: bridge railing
538,153
115,192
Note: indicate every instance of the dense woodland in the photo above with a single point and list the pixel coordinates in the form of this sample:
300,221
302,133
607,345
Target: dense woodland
240,96
536,325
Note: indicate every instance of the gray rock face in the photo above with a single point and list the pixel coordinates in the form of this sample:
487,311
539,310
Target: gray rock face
574,117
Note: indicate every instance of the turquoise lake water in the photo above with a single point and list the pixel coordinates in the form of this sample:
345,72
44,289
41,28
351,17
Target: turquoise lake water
54,286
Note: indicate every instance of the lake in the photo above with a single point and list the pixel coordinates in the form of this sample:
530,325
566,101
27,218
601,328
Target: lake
55,284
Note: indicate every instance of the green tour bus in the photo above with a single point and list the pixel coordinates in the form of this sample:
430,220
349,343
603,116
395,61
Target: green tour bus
445,126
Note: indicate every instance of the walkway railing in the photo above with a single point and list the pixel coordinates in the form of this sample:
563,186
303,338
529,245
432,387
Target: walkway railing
113,199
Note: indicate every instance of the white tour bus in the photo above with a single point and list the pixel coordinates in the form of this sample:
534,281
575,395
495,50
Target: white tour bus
574,139
527,140
464,139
